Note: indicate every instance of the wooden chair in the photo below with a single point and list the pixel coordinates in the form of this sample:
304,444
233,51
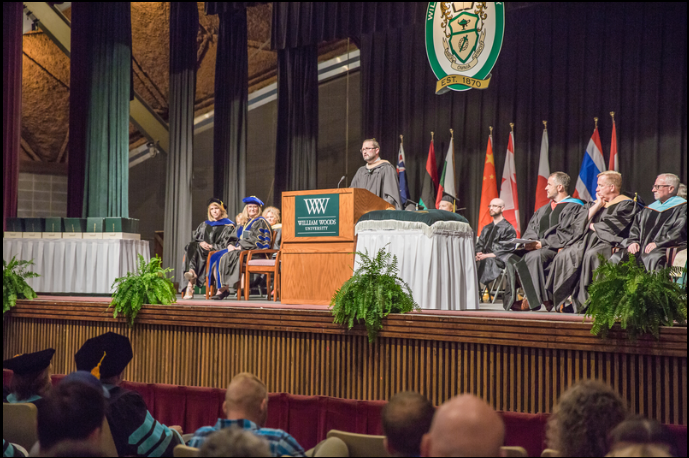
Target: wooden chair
361,444
244,257
269,267
19,424
514,451
185,450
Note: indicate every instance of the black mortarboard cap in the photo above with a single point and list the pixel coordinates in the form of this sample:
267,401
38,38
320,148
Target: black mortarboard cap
29,362
105,355
215,200
449,198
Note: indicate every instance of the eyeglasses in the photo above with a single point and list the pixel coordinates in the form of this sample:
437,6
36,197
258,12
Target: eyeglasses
368,148
656,186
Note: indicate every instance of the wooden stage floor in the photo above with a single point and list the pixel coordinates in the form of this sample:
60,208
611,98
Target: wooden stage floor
517,361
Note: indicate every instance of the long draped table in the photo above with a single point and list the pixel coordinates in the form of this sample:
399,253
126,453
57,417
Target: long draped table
437,261
76,265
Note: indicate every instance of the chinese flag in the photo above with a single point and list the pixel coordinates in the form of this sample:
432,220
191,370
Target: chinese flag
489,191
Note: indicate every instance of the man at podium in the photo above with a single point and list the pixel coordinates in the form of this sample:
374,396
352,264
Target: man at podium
378,175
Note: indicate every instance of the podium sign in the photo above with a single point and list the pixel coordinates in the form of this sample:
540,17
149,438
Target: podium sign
317,215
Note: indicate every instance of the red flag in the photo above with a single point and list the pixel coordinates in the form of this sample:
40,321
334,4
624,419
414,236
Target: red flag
489,191
614,162
508,189
543,173
430,180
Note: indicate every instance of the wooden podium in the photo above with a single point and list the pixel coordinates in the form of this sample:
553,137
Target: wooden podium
315,266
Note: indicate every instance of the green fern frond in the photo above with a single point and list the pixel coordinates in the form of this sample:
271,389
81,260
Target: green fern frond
14,286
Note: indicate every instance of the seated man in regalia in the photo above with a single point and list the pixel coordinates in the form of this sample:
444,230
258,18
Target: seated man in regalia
603,227
493,244
661,225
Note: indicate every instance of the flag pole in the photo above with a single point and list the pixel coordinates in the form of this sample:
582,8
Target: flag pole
401,139
596,121
612,115
545,125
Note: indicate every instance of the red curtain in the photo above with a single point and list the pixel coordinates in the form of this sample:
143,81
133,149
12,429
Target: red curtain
11,105
309,418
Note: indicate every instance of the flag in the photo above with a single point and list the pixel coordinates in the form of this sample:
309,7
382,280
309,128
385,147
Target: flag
591,166
430,180
447,179
402,175
614,162
489,191
543,173
508,188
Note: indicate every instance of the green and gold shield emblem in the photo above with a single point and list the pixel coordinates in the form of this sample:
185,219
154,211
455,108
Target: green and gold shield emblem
463,42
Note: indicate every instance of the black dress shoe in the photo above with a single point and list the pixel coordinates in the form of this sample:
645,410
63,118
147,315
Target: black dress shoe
221,296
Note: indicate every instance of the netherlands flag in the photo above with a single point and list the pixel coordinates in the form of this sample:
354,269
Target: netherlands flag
592,165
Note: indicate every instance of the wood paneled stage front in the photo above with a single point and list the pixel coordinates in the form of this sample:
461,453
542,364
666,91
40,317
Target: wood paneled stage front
518,362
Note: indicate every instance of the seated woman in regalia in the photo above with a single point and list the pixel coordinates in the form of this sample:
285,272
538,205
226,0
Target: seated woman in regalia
31,378
272,215
212,235
256,235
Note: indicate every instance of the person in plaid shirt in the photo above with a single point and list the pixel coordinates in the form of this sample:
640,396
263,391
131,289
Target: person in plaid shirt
246,408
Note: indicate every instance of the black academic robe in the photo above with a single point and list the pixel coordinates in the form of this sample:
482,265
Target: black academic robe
555,229
382,181
572,268
493,239
134,430
665,227
256,235
218,234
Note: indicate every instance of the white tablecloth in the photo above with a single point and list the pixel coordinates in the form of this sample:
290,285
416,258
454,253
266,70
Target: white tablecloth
438,266
76,265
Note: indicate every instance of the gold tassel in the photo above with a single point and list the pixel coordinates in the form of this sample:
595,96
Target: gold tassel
96,370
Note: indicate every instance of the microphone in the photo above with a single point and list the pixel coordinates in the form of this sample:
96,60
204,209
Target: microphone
340,182
416,204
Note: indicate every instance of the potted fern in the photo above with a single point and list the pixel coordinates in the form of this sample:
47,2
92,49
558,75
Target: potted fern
372,293
639,300
14,284
149,285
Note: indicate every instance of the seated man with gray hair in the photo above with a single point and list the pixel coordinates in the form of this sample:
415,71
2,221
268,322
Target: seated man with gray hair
661,225
246,408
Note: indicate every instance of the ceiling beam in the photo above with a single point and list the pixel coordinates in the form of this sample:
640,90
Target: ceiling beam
58,28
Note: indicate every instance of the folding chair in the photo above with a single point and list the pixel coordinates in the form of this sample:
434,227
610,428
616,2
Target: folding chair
19,424
185,451
497,285
361,444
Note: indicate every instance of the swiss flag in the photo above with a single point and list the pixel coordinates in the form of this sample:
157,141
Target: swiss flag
508,189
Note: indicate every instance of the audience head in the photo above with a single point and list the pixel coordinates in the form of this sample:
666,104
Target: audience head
370,150
216,209
234,442
496,207
31,374
272,214
76,448
105,356
558,185
73,410
246,398
641,431
682,191
640,450
665,186
240,219
582,419
609,185
406,418
446,203
464,426
252,207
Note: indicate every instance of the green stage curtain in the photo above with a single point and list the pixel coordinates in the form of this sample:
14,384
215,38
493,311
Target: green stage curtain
231,110
297,125
184,26
103,98
561,62
11,105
